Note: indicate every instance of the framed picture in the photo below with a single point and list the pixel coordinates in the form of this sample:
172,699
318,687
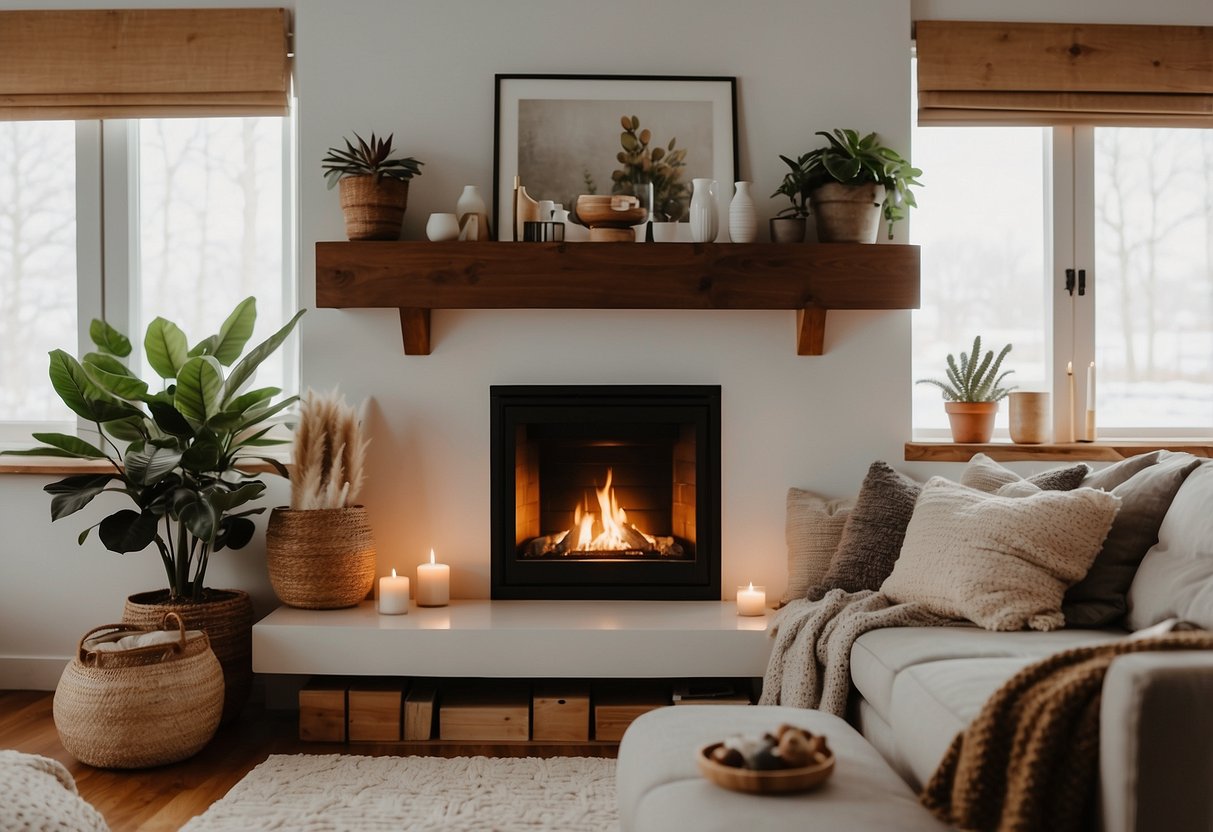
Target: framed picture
566,135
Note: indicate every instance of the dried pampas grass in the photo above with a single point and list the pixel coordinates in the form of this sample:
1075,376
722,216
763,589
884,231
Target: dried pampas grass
330,453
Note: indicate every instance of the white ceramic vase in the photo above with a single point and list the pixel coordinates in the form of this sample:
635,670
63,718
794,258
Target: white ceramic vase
743,221
705,224
442,227
471,202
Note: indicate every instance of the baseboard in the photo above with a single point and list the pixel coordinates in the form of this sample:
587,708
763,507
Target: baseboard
31,672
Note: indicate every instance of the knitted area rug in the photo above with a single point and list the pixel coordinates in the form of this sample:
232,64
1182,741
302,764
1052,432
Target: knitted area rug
336,793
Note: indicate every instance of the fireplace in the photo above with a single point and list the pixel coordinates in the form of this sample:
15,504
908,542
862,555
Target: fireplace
608,492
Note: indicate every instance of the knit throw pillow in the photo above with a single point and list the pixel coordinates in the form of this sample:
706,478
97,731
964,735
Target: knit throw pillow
1002,562
1108,478
873,532
985,474
814,527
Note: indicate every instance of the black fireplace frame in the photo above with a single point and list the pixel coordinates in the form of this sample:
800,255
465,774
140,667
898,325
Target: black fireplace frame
515,578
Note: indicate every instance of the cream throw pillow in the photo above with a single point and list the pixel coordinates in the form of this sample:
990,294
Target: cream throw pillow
814,527
985,474
1002,562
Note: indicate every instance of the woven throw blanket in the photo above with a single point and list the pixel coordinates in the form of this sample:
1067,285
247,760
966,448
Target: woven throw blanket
37,793
810,664
1030,759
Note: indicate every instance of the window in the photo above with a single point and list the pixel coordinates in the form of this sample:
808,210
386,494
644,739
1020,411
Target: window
1006,210
128,220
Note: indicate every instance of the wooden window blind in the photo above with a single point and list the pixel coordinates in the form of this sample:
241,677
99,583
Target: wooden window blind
1054,74
130,63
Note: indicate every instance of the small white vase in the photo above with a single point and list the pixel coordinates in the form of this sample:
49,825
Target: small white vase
442,227
743,221
471,202
705,224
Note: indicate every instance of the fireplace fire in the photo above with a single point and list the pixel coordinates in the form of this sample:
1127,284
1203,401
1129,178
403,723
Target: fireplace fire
606,492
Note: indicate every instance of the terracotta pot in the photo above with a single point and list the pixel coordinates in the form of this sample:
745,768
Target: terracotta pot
226,616
787,229
847,213
972,422
321,559
373,210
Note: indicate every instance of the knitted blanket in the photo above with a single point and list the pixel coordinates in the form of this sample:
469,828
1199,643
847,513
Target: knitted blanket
37,793
1030,759
810,664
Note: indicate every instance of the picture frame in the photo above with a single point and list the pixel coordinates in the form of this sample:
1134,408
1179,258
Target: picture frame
562,135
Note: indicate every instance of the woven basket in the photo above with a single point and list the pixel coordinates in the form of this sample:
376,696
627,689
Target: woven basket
373,210
226,617
320,559
143,707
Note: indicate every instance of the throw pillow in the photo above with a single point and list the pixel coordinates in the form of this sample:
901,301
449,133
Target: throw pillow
1101,598
873,532
985,474
814,527
1002,562
1175,579
1108,478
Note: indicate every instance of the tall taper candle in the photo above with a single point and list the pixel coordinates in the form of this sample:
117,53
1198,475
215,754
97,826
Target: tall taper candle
1069,427
1090,433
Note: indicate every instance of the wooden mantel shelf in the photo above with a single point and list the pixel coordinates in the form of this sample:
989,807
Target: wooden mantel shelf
416,277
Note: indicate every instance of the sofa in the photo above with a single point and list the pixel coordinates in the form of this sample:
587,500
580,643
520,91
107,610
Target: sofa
915,688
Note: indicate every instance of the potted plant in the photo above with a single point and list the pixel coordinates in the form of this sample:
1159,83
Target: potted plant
179,466
788,225
972,391
643,166
374,186
852,182
320,552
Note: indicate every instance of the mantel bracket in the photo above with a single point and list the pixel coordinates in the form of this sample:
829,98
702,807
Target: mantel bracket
811,330
415,327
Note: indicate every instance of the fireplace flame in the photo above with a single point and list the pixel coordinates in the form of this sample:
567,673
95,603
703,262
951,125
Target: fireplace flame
615,533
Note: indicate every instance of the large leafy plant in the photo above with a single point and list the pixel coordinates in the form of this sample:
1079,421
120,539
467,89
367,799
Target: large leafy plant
182,444
373,158
974,378
852,160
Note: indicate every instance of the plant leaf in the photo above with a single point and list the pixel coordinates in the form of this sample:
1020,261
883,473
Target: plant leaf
276,464
122,385
203,455
235,332
199,387
127,530
201,519
131,429
108,339
74,445
166,347
204,347
234,533
148,465
244,370
80,394
169,419
74,493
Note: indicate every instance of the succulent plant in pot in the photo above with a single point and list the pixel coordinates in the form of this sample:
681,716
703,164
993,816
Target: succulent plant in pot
320,552
788,225
176,455
374,186
972,390
855,181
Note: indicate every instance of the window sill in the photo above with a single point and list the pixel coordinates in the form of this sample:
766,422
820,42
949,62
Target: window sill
56,466
1104,450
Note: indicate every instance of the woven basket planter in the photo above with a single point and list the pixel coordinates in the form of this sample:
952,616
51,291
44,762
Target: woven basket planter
226,617
373,210
137,708
320,559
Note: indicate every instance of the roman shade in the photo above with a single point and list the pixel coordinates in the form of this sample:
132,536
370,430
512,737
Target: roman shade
130,63
1054,74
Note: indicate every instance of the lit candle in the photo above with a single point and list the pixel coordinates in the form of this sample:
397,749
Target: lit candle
394,595
1069,431
433,584
751,600
1091,402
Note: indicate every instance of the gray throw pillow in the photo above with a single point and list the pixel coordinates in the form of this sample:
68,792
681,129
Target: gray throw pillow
874,531
1101,598
1108,478
984,474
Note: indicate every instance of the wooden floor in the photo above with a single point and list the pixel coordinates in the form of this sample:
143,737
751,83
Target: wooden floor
165,798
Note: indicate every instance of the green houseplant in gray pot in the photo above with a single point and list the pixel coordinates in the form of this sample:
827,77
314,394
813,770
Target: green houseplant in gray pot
175,455
853,182
788,225
972,390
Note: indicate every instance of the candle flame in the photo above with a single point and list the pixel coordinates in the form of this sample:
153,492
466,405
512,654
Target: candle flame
1070,367
431,555
751,586
1092,363
393,572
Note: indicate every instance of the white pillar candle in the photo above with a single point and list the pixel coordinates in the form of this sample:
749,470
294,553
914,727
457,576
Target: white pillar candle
1090,432
394,595
1070,433
433,584
751,600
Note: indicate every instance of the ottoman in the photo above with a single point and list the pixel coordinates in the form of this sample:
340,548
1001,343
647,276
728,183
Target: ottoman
660,788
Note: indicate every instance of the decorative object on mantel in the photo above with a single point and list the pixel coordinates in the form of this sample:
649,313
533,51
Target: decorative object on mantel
374,186
525,208
473,215
743,221
136,697
179,465
433,583
705,223
845,180
393,595
320,552
788,225
751,600
1030,418
440,228
611,135
972,392
610,218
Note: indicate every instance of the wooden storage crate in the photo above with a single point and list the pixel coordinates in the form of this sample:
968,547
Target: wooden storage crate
375,708
493,712
322,710
616,706
561,712
419,708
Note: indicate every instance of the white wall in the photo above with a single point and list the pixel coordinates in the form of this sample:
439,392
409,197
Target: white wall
424,70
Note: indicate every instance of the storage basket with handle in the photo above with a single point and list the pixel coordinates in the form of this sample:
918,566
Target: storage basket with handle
143,705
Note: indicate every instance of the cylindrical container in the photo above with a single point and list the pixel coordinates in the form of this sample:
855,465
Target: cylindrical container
704,222
542,232
743,220
1031,418
373,210
442,227
320,559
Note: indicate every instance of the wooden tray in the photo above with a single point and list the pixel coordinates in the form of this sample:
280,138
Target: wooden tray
777,781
